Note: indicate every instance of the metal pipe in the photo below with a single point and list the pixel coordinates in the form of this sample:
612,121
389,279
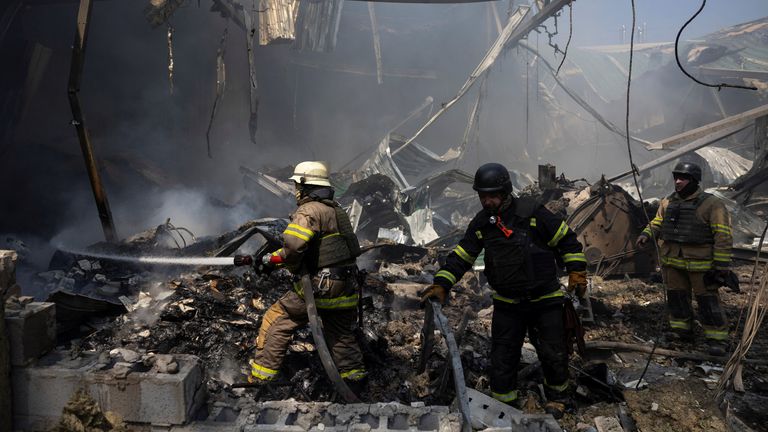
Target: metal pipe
75,77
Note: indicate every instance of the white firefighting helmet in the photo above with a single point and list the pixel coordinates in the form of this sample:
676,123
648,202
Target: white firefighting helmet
311,173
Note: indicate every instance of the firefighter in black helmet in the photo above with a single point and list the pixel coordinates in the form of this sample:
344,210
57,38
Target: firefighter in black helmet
695,240
524,245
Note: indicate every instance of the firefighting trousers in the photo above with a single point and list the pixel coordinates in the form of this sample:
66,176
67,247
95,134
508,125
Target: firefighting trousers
680,285
543,321
288,314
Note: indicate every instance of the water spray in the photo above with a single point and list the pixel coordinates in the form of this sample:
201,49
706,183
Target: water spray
237,260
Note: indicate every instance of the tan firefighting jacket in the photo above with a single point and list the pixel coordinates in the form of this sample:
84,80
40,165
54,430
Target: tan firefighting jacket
313,218
696,257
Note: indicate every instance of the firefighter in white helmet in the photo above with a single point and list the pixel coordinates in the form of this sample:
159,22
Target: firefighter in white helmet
319,240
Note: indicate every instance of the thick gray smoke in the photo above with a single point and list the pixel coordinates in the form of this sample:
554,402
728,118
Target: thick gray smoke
152,146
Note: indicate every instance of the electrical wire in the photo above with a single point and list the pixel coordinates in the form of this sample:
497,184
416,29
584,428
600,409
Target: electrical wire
633,167
570,35
679,65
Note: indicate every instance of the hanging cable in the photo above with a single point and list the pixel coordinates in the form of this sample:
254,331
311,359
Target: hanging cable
570,35
677,57
633,167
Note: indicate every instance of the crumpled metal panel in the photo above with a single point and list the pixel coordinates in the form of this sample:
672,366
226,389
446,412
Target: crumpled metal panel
412,162
381,162
726,165
317,24
422,230
277,20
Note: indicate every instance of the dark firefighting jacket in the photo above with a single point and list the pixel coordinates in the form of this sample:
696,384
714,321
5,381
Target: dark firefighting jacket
524,246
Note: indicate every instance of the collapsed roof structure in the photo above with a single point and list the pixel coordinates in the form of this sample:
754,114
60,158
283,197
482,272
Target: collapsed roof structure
185,333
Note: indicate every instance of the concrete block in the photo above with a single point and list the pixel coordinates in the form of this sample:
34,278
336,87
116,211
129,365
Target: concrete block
608,424
289,416
31,331
42,390
487,412
151,397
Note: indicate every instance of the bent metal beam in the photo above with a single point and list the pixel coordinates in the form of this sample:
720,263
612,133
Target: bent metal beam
73,89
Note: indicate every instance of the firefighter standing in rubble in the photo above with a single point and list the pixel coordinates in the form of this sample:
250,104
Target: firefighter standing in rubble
319,240
523,242
695,240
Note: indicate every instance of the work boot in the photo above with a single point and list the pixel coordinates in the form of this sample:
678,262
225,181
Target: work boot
559,407
717,348
679,336
359,387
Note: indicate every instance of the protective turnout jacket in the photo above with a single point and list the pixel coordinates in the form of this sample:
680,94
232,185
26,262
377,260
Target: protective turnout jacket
694,233
524,246
320,237
319,240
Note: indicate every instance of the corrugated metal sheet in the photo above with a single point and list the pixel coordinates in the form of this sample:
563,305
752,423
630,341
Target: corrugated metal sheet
277,19
414,162
317,24
604,68
746,46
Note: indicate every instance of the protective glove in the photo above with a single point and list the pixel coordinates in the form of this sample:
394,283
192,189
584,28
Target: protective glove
642,240
434,291
243,260
577,282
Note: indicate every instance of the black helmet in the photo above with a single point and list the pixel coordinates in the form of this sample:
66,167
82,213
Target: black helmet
688,168
492,177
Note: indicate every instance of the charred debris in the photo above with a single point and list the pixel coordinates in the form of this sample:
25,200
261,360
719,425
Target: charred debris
143,315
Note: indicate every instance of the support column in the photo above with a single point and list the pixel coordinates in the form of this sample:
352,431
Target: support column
78,120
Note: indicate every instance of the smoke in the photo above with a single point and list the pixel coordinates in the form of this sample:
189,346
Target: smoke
151,143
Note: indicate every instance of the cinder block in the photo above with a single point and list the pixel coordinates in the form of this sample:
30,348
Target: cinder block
289,416
42,390
31,332
151,397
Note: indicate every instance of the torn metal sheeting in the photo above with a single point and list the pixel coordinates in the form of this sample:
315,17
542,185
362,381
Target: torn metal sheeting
277,20
157,12
278,188
317,24
422,230
413,163
725,164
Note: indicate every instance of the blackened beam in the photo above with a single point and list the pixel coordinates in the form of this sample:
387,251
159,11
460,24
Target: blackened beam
695,145
78,120
709,128
517,27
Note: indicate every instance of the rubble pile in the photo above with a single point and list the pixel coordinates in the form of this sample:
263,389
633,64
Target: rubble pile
138,317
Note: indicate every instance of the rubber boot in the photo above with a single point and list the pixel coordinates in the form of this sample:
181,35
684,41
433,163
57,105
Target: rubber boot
359,387
717,348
